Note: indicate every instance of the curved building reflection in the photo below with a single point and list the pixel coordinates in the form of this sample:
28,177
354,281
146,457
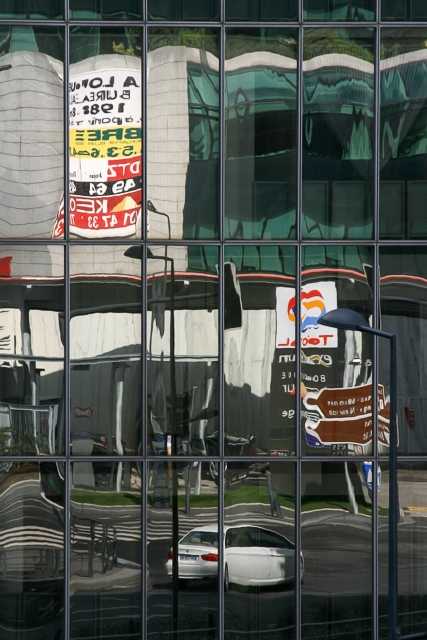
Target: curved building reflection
182,550
260,564
403,291
182,350
31,119
336,540
32,350
31,551
105,560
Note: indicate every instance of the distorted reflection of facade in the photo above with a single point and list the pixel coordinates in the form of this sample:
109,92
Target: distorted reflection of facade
186,188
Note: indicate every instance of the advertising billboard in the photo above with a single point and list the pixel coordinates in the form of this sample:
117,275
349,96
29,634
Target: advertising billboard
105,152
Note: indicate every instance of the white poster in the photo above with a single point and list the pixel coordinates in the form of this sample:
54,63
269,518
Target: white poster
316,300
105,154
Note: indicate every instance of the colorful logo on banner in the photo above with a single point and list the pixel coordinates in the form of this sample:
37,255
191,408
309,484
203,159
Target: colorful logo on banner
312,308
105,154
316,300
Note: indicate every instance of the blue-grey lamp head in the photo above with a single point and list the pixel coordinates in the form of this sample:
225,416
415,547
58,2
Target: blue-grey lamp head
344,319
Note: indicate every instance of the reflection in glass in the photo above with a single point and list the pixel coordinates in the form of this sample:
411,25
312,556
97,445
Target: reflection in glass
259,350
336,366
412,540
32,9
182,350
259,556
105,134
260,103
105,340
31,550
31,119
261,10
336,540
183,9
31,350
182,551
403,187
403,10
183,133
340,10
105,563
403,291
338,135
105,9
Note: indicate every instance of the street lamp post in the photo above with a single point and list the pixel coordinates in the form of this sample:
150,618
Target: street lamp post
350,320
152,208
136,252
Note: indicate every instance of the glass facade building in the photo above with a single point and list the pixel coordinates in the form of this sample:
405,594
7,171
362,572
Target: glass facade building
186,188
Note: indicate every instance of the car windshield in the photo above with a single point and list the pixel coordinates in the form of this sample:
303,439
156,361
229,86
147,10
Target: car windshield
208,538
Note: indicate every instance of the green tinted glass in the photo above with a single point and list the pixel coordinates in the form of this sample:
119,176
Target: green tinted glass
339,10
105,9
183,133
260,125
260,10
183,9
32,9
402,10
338,133
403,146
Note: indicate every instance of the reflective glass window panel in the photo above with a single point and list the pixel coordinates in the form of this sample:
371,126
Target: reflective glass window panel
183,10
105,133
336,542
105,340
182,550
338,134
402,10
182,350
32,9
411,541
403,187
31,350
105,553
31,550
339,10
259,10
105,9
31,120
183,133
260,566
403,291
259,350
260,129
336,365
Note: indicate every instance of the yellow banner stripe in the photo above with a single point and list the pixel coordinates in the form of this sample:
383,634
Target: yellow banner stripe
111,142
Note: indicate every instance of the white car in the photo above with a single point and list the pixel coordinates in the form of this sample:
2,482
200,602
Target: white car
253,556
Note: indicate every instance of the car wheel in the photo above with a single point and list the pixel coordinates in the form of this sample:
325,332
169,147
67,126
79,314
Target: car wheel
226,579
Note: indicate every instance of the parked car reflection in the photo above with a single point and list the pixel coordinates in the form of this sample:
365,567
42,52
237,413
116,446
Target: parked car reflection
253,556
